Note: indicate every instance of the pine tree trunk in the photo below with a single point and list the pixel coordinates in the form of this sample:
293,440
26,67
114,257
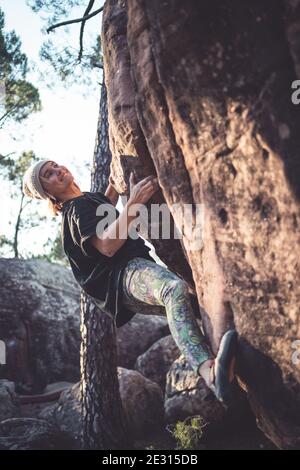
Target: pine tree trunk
103,418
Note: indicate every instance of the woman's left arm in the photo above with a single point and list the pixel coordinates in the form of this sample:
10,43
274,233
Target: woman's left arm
111,192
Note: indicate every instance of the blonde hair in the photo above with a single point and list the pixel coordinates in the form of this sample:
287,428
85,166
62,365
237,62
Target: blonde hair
54,207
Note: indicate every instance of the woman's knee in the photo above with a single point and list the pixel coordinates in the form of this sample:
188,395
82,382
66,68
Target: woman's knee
175,287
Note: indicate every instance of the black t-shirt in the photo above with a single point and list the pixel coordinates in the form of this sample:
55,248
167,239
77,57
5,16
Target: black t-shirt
100,276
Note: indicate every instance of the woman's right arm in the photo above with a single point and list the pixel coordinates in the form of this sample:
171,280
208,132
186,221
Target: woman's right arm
116,234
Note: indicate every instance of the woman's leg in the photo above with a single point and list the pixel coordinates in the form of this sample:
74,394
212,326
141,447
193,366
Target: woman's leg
147,282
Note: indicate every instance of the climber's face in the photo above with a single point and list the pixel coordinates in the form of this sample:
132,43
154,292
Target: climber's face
55,178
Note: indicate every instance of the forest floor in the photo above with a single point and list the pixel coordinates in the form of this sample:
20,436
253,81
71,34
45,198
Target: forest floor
250,438
235,437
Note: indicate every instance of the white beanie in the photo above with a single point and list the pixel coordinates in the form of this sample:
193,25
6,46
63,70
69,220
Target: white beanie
32,186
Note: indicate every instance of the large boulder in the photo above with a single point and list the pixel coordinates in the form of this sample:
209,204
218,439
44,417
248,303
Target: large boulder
65,415
136,336
142,401
201,91
157,360
32,434
9,407
40,326
186,395
39,323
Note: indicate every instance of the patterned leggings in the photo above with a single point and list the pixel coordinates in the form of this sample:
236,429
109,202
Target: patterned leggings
147,283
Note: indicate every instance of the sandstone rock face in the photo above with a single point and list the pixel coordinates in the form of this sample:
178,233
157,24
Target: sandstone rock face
39,323
210,108
127,142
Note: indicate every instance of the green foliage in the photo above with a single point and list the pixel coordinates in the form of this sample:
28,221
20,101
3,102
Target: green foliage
188,433
56,253
64,62
23,220
18,97
55,9
71,63
14,168
5,242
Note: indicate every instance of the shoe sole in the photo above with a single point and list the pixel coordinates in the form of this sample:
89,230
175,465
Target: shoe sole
224,367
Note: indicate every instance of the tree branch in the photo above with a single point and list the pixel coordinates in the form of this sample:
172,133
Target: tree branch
5,156
88,9
5,115
77,20
97,64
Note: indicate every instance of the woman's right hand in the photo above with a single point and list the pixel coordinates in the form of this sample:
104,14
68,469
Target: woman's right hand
142,191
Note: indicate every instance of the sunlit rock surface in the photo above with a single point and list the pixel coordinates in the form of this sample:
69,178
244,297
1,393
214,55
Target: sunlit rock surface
201,92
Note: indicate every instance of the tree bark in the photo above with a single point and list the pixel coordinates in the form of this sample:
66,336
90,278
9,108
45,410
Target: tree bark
104,424
17,229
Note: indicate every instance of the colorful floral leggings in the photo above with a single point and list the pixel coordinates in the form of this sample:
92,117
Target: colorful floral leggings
145,284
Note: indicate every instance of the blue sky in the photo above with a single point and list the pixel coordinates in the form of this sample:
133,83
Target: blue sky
64,130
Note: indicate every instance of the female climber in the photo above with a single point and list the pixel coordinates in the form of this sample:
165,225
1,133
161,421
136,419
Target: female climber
116,270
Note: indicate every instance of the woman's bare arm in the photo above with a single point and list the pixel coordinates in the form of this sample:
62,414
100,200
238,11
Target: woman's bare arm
117,233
